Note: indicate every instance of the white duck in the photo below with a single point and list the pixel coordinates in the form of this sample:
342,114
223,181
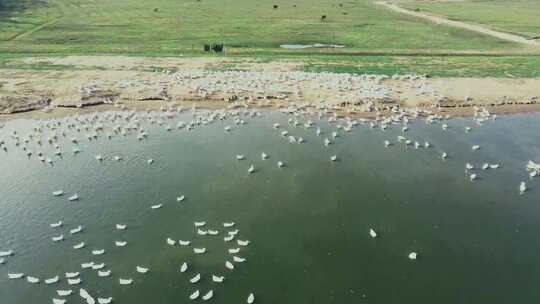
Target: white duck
194,295
157,206
78,246
120,243
98,251
32,280
242,243
125,281
105,300
15,276
199,250
208,295
64,293
52,280
522,188
184,267
56,225
76,230
250,298
234,250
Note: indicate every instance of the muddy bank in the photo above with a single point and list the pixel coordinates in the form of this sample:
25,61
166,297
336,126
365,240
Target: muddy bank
191,82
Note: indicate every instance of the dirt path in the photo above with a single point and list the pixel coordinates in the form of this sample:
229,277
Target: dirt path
463,25
39,27
35,29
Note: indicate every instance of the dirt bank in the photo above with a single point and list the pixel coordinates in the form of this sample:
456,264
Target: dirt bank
153,82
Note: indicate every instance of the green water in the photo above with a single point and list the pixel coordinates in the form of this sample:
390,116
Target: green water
308,223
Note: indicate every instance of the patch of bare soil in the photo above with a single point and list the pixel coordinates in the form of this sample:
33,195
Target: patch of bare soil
207,82
154,63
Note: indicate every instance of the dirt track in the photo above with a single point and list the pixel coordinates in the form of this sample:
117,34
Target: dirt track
463,25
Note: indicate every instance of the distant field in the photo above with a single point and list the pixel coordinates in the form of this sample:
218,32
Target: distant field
170,27
444,66
394,42
436,66
517,16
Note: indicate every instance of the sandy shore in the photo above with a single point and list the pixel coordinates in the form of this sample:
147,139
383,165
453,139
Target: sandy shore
92,83
157,106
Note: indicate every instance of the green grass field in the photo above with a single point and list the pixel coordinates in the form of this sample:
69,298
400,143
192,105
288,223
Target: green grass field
377,40
134,27
521,17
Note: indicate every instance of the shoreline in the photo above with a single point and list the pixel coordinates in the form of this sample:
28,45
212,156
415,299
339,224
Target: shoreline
60,112
89,84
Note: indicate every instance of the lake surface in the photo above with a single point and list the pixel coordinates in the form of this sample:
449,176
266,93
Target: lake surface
308,223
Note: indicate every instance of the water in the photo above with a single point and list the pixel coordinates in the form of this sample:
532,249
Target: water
307,46
308,223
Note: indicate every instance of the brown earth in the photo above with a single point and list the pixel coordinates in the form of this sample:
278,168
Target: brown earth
150,83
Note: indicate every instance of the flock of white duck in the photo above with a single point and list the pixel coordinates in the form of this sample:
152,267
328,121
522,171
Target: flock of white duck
73,278
49,133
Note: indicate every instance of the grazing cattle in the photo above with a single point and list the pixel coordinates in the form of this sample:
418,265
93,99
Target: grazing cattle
323,18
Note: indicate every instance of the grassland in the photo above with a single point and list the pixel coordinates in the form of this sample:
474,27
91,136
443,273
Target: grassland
436,66
169,27
377,40
516,16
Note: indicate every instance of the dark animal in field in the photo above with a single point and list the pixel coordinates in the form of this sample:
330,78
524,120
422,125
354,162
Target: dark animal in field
323,18
155,10
276,6
218,48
